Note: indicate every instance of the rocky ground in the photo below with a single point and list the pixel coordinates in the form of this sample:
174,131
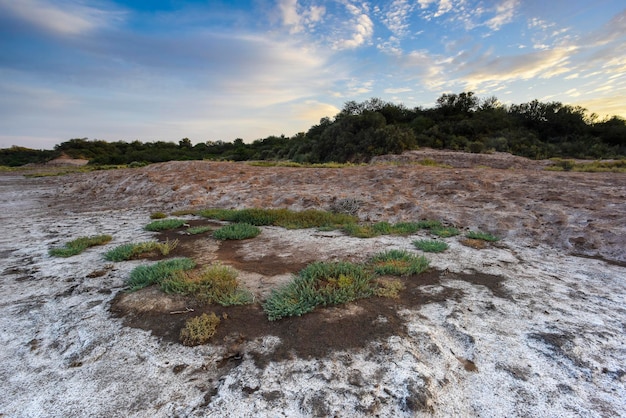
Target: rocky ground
532,325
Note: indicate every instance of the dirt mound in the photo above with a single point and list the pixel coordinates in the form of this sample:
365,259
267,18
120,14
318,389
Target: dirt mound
582,213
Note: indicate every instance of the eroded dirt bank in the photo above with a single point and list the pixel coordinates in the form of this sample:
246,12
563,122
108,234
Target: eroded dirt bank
521,328
581,213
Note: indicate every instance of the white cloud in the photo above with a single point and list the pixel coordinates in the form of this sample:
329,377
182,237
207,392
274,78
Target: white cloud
298,19
397,90
543,64
64,17
505,12
360,26
396,18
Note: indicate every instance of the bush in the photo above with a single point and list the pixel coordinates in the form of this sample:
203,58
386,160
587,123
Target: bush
79,245
215,284
236,231
142,276
164,224
199,330
130,251
398,263
319,284
430,246
484,236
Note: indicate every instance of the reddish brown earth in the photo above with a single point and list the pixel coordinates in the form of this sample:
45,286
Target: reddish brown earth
512,197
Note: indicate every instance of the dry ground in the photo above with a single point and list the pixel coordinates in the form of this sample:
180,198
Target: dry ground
533,325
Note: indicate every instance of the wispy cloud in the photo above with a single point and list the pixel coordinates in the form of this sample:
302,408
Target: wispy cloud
298,18
504,13
519,67
63,17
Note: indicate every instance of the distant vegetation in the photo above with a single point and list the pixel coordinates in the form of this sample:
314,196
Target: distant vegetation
79,245
361,131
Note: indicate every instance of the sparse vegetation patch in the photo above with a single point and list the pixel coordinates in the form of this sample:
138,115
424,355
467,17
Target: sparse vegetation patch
79,245
199,330
320,284
398,263
195,230
134,250
158,215
484,236
280,217
217,283
444,231
143,276
385,228
430,246
164,224
236,231
389,288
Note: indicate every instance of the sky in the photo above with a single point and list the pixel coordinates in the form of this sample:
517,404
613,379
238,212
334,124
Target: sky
163,70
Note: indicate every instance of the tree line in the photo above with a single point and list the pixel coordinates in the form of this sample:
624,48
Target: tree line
360,131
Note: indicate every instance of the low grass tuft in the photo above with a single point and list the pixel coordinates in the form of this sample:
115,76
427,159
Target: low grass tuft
215,284
280,217
79,245
398,263
320,284
385,228
142,276
236,231
444,231
484,236
430,246
164,224
199,330
158,215
135,250
195,230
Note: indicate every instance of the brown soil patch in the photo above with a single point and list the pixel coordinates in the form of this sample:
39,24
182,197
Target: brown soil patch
313,335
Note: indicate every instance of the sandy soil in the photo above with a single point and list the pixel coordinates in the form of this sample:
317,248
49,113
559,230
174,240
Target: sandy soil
533,325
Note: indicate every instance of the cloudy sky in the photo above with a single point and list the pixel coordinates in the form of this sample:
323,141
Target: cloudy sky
219,70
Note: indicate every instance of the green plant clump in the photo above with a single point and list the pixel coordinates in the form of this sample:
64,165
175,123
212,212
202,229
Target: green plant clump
280,217
134,250
215,284
398,263
320,284
484,236
79,245
164,224
142,276
195,230
158,215
236,231
385,228
445,231
199,330
430,246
